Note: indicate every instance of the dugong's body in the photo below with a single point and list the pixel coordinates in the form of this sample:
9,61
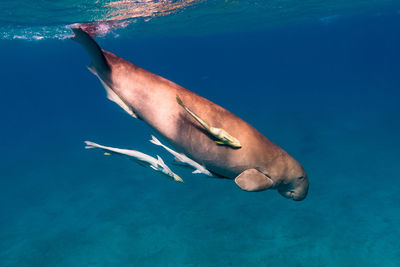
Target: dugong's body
258,165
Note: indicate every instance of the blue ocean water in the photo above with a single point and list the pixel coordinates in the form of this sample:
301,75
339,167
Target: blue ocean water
324,85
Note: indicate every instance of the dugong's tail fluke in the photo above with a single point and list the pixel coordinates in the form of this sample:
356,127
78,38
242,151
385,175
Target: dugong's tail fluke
99,63
101,68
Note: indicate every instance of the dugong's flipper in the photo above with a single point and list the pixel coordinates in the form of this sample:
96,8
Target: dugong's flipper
253,180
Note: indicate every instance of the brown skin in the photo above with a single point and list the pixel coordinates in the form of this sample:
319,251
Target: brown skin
153,99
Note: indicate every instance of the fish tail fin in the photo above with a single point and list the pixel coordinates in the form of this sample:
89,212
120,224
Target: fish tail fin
90,145
155,141
99,64
107,151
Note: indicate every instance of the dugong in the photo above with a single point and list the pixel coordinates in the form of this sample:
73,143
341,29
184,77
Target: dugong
258,165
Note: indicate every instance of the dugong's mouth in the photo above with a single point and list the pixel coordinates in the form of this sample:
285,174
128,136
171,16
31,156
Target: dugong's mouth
297,193
296,197
292,194
287,194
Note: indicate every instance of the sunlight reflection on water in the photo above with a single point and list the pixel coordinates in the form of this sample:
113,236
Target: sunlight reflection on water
43,19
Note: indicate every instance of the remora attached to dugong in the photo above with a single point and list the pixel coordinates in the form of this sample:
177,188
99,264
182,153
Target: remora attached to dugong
258,165
222,136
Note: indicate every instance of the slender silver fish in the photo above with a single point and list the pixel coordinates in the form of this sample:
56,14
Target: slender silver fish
180,157
139,157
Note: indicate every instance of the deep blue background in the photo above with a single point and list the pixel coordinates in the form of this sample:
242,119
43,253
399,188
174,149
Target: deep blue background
326,92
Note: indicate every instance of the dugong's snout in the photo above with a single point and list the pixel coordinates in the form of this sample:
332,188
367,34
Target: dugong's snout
300,194
296,189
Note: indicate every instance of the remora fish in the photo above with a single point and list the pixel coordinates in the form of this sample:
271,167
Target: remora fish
139,157
180,157
224,138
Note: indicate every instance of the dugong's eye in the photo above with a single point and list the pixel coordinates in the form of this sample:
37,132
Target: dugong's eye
301,178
